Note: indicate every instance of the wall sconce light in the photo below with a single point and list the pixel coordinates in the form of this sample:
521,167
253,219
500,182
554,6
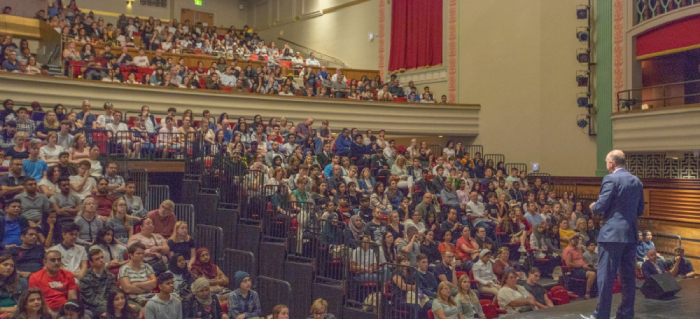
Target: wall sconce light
128,3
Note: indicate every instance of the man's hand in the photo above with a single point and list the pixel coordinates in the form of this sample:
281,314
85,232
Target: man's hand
591,206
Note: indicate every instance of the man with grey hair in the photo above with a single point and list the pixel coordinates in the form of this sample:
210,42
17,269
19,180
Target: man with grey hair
163,218
621,202
654,266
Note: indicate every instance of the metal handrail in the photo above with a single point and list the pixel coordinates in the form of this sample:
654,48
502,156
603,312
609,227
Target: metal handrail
320,55
627,98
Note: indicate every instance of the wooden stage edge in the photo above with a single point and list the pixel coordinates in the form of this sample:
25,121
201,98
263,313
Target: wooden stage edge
158,167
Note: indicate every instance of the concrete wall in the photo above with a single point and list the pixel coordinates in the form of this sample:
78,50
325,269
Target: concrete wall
338,28
518,61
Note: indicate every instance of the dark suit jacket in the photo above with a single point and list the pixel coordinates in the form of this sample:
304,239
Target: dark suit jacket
323,159
621,201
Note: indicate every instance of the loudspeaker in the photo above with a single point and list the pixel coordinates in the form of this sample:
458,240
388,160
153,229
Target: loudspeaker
660,286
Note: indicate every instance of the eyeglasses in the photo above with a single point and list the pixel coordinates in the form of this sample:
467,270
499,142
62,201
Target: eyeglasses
53,260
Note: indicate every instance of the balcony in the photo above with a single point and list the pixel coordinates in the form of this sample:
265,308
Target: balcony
396,118
646,10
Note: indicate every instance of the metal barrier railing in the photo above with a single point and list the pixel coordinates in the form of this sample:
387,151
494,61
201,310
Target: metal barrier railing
156,195
365,277
140,177
272,292
303,233
492,160
559,190
519,166
545,177
404,300
277,216
253,197
473,149
235,260
665,243
435,149
332,255
211,237
227,174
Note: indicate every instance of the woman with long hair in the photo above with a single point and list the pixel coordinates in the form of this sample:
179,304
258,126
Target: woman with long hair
394,226
511,228
387,249
32,305
512,298
565,234
79,150
378,199
467,300
582,231
49,152
50,234
117,306
180,242
444,306
49,183
10,290
50,124
113,251
446,244
19,150
120,222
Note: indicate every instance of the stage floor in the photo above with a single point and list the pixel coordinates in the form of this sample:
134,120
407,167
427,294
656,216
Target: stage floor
685,304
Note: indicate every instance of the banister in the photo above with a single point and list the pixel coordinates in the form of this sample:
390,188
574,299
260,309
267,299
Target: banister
336,60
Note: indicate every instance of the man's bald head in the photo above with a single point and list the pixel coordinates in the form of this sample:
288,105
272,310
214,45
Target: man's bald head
309,120
615,159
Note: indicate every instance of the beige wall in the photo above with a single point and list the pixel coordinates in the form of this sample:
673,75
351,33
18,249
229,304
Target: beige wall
518,62
225,12
343,33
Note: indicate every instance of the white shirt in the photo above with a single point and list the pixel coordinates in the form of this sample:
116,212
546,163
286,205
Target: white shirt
117,128
103,120
87,188
483,273
312,62
168,136
50,153
335,78
478,210
286,94
228,80
141,61
71,257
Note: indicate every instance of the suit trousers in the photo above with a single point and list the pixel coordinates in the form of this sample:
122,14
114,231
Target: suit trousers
611,258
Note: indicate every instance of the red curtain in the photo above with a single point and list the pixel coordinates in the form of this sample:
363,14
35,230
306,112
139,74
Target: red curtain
416,34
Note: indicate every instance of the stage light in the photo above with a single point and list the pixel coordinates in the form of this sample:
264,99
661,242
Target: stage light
582,80
581,123
583,100
582,12
583,56
582,77
582,35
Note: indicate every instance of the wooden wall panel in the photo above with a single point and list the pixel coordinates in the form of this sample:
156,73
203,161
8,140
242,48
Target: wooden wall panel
675,205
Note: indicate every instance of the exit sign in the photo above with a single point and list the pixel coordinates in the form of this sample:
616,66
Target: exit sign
198,2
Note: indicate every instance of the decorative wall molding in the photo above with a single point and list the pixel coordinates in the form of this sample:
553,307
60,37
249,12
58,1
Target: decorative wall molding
618,48
658,165
155,3
381,37
452,52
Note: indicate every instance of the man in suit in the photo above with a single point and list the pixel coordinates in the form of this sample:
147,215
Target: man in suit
620,202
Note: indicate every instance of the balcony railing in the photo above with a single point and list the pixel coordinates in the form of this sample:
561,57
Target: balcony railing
650,9
659,96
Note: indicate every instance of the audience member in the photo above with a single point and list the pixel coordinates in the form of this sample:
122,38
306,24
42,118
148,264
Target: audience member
73,257
134,204
11,286
12,224
163,218
121,224
202,304
33,305
112,251
56,284
444,306
12,183
88,222
573,256
467,300
243,302
163,305
34,167
203,267
536,290
33,203
82,184
177,265
156,247
682,267
29,256
137,278
654,265
117,306
96,284
515,299
484,274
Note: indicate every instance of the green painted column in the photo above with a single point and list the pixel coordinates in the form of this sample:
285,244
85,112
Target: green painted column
604,82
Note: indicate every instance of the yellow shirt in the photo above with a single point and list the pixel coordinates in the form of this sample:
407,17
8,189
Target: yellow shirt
565,233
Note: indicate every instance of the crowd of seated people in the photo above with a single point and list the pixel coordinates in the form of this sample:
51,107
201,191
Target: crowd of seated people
115,64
